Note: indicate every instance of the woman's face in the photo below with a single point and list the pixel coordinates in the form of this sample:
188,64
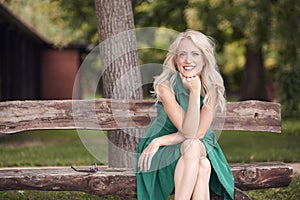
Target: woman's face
189,59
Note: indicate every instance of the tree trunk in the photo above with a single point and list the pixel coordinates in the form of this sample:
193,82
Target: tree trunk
253,85
121,74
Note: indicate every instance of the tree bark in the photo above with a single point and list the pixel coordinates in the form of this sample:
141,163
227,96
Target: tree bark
253,85
121,74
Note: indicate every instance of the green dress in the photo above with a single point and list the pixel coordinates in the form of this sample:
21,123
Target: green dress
158,182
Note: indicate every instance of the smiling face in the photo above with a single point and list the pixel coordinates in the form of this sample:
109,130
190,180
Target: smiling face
189,59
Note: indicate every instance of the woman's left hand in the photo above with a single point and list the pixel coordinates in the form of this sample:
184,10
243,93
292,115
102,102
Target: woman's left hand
147,155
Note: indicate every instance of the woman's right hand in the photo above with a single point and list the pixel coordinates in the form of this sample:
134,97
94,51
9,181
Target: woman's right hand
191,83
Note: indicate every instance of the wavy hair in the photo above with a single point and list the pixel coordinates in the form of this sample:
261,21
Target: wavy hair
211,79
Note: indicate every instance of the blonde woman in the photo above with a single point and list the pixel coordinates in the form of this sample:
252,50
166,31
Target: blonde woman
179,152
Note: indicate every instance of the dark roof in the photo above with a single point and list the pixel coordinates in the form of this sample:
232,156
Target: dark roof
8,17
12,19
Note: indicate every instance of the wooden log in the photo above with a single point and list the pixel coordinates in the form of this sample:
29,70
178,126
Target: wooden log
106,181
107,114
250,176
122,182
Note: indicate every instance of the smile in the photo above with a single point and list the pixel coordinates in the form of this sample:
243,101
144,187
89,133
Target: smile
188,68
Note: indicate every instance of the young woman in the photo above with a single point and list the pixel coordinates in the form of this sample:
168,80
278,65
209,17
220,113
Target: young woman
179,151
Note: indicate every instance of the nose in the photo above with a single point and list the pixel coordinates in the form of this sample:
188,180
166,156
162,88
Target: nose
188,58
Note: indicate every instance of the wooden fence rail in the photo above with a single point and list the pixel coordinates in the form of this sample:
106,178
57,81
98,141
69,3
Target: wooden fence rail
107,114
122,182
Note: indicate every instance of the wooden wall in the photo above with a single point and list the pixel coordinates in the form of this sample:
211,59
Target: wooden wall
31,68
59,69
19,65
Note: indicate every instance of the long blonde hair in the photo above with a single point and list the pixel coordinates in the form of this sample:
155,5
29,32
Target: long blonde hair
212,81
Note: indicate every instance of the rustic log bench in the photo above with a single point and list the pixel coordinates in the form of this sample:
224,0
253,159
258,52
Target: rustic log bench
18,116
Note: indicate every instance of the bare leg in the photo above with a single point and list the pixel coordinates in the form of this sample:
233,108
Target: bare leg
201,190
187,168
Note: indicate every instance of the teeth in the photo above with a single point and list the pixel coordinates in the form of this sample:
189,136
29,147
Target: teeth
189,67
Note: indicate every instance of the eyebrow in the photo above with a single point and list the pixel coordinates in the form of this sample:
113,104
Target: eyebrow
191,51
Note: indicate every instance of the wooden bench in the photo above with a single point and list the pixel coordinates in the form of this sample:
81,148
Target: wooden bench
18,116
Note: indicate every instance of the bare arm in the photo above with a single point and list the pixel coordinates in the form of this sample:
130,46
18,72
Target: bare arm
170,139
207,114
186,122
192,116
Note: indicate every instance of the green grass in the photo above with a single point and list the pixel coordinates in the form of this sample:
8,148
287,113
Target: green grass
292,192
64,148
241,146
44,148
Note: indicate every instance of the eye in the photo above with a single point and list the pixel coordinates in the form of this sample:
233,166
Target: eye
195,54
182,54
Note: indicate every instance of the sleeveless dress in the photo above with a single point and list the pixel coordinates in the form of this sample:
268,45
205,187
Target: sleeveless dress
158,182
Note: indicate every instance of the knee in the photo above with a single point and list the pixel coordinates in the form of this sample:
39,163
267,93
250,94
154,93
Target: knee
193,149
205,166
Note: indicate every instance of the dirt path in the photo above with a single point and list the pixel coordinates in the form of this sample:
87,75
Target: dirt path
296,167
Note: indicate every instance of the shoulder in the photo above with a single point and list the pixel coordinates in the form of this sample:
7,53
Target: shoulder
165,90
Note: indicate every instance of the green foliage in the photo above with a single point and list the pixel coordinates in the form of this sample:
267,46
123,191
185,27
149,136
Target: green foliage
79,16
230,21
170,14
289,86
61,22
288,44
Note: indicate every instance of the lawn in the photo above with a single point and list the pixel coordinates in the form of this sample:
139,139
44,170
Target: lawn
64,148
261,146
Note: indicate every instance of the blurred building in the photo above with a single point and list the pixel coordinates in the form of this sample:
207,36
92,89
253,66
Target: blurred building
31,67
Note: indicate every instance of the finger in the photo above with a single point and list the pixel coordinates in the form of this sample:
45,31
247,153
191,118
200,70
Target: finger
141,161
149,161
145,164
